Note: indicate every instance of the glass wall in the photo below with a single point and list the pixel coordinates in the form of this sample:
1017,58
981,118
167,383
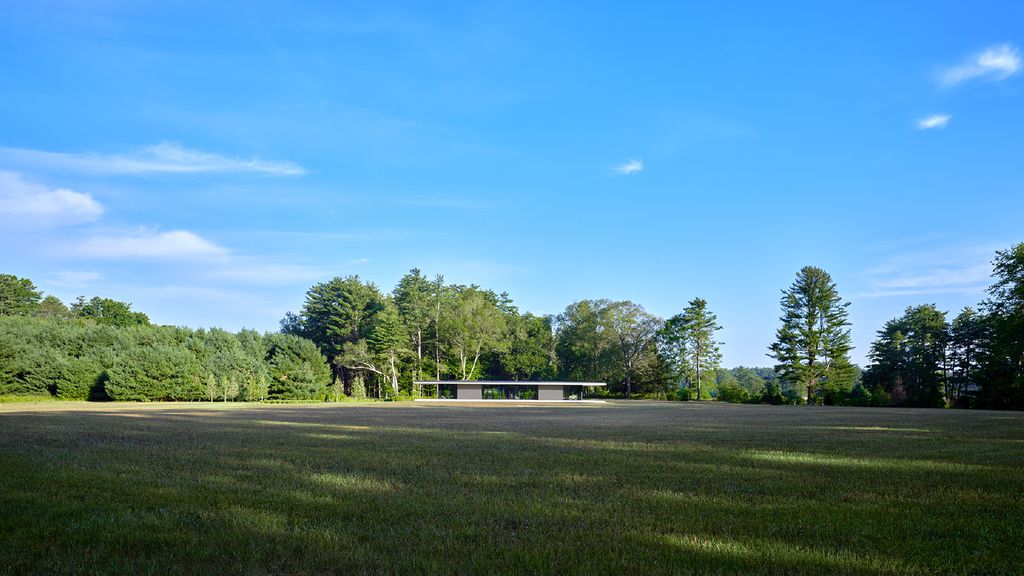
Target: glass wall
509,392
572,392
446,391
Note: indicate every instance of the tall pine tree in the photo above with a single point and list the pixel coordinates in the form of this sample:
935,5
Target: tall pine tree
812,346
699,327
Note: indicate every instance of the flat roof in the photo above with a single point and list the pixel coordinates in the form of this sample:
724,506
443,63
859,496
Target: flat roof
511,382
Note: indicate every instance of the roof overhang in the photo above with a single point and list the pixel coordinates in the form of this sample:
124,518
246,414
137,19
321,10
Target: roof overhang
508,383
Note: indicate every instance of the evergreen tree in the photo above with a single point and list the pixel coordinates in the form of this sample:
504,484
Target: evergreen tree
108,311
336,313
387,339
52,307
1003,378
18,296
968,341
698,327
909,357
413,298
813,344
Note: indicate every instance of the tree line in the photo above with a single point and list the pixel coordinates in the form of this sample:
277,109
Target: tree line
99,349
976,359
350,339
427,329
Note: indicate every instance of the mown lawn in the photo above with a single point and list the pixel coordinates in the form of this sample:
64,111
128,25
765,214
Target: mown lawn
640,488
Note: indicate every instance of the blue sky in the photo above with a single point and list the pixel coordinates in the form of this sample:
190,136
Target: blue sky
208,162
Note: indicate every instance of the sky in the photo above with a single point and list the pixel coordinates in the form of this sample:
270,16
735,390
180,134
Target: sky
209,161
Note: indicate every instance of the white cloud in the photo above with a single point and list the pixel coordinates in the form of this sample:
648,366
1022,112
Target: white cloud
146,244
166,157
934,121
630,167
358,261
995,63
21,200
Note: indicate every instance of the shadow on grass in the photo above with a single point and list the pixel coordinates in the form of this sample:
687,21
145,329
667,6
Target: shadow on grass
382,490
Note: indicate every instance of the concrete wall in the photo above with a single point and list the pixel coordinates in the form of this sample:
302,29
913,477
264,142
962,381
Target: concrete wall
469,392
549,392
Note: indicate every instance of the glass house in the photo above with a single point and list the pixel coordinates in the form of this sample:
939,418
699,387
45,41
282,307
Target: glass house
509,390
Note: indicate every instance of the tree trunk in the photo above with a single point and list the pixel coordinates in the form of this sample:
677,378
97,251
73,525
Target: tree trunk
696,362
475,358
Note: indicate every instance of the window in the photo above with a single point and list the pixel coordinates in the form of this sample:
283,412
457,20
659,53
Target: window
509,392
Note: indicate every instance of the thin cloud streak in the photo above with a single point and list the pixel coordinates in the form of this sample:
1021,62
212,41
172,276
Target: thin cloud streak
960,271
995,63
162,158
267,274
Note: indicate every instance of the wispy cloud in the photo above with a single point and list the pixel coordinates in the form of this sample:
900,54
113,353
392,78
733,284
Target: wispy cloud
166,157
359,261
933,121
631,167
23,202
964,270
267,273
994,63
148,244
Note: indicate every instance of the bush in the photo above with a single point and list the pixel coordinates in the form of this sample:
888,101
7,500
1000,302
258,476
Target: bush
160,372
80,378
298,370
729,392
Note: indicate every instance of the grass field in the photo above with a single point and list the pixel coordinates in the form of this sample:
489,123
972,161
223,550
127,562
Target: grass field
641,488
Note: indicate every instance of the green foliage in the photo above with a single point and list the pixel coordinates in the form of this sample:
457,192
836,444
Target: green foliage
83,360
909,357
531,350
82,378
1001,377
358,388
107,311
474,326
585,345
412,296
52,307
159,372
18,296
298,371
688,342
813,344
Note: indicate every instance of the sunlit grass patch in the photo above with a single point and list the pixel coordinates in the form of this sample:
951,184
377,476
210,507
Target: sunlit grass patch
651,488
848,462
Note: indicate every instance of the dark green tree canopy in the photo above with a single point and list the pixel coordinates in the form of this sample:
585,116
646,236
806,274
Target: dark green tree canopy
909,357
18,296
813,344
108,311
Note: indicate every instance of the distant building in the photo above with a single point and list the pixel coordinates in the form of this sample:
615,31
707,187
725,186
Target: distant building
510,390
